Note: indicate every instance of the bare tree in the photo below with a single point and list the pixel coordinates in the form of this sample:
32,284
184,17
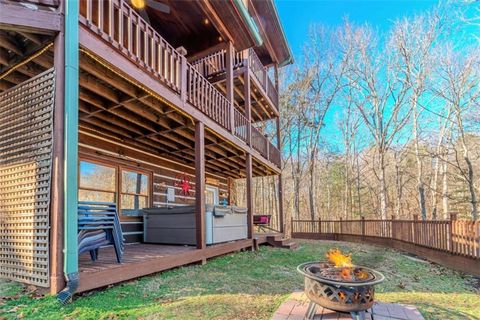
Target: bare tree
379,93
413,41
459,86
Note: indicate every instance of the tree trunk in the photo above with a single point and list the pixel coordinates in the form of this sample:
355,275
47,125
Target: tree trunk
383,187
445,190
398,187
420,184
312,193
471,187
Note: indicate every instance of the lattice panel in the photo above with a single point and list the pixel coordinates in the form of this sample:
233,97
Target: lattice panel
26,134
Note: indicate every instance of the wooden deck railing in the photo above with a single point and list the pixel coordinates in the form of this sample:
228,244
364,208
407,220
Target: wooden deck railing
123,28
261,74
259,142
215,64
459,237
241,125
274,154
203,95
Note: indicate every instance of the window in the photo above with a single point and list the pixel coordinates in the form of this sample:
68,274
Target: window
211,195
134,193
97,182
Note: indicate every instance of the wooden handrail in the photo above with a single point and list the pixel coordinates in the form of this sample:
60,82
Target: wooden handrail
460,237
204,96
215,64
261,73
259,142
241,125
123,28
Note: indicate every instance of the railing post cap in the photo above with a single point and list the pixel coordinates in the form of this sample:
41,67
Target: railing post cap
453,215
415,217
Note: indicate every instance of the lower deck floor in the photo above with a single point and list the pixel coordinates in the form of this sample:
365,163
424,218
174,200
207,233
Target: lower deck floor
143,259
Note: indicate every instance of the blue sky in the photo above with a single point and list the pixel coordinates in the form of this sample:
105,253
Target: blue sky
298,15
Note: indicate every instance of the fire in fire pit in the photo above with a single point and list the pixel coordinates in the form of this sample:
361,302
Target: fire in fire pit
339,285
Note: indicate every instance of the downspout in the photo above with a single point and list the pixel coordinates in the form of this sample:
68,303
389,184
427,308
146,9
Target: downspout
252,26
71,151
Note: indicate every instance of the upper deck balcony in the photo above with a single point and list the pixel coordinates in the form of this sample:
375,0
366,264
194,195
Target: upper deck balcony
214,66
122,28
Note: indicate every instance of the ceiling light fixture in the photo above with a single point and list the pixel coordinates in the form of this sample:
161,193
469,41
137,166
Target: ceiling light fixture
138,4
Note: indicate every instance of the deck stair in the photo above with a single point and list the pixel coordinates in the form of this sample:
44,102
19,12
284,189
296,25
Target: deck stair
278,241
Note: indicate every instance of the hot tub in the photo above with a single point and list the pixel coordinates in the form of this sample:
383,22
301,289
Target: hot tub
177,225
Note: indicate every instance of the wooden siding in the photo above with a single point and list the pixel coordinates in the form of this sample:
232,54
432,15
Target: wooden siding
26,113
165,173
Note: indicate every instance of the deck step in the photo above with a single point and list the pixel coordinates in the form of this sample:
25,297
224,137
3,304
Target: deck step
280,242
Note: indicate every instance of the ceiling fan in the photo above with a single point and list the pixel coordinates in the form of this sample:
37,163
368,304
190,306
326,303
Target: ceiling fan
141,5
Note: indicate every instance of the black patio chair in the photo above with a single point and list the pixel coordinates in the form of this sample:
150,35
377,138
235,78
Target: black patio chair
98,225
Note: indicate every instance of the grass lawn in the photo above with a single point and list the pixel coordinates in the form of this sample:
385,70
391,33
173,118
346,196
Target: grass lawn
251,285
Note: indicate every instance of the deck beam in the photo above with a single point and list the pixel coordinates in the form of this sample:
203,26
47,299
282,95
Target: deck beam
57,281
200,183
20,18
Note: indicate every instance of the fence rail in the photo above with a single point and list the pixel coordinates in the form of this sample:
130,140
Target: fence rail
459,237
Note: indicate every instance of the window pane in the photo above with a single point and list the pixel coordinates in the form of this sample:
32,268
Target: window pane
132,204
133,182
209,197
96,176
97,196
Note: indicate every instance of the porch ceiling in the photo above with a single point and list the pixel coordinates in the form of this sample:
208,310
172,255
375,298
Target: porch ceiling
112,107
14,47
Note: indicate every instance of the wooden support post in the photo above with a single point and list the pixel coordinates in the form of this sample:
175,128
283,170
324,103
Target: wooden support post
453,217
57,281
392,227
341,225
363,226
229,83
183,79
319,225
281,210
248,104
415,228
277,81
200,183
279,135
249,195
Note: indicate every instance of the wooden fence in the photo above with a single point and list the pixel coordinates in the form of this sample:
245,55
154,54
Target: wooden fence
458,237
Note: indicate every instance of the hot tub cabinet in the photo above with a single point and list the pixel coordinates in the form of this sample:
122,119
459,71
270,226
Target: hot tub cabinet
177,225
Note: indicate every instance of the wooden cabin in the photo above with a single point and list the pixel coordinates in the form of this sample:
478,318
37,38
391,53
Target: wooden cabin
140,103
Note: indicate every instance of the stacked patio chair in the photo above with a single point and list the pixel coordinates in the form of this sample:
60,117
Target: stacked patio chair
98,225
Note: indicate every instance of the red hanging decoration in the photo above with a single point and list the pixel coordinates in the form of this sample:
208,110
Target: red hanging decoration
184,184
